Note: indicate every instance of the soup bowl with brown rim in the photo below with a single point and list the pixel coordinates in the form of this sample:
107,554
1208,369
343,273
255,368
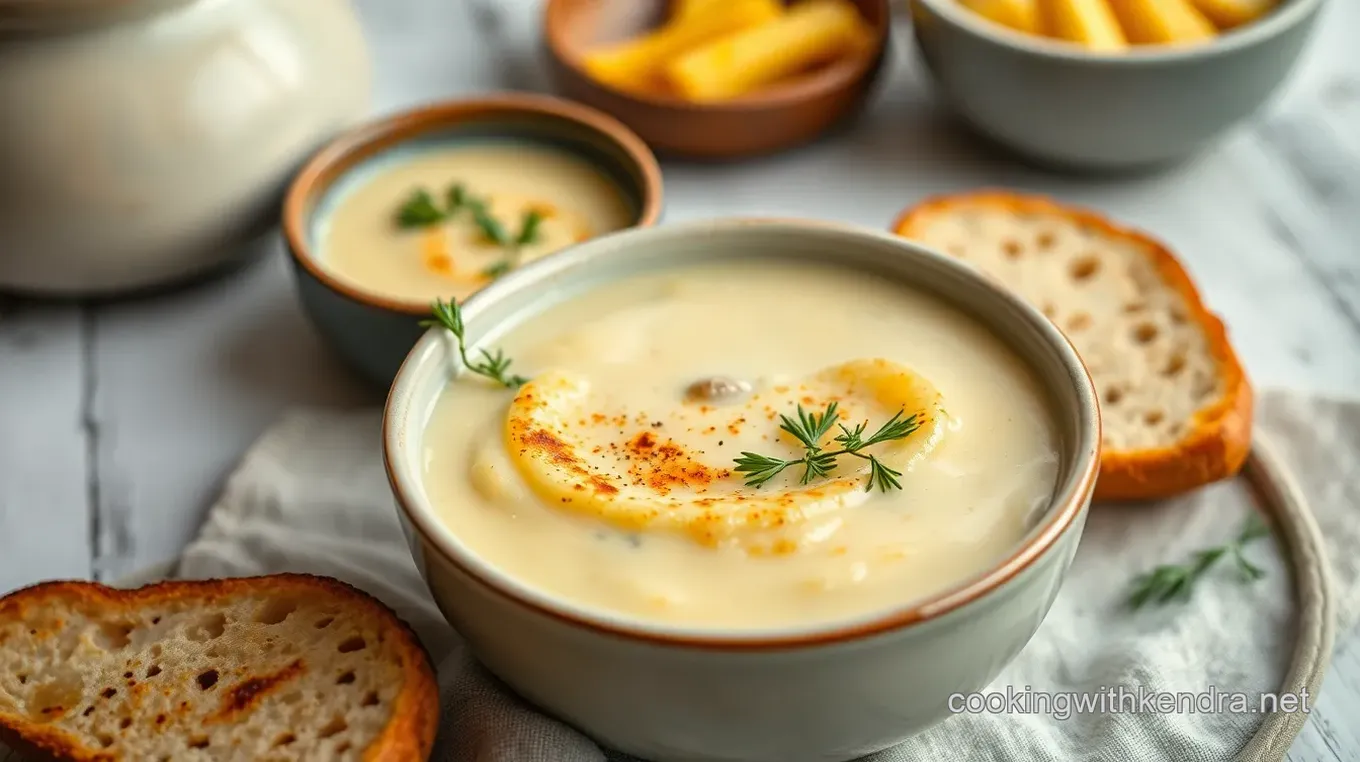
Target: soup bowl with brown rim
374,235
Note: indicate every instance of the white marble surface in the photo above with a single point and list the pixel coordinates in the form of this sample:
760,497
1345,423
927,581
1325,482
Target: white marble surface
118,420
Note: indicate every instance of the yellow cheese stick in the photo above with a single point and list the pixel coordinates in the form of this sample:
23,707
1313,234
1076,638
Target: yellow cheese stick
1162,22
1088,22
683,9
636,64
808,33
1020,15
1227,14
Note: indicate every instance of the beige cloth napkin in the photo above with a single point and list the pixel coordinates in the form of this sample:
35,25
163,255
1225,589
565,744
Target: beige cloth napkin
311,496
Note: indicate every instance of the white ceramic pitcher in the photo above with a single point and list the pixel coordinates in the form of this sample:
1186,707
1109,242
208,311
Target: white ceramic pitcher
145,142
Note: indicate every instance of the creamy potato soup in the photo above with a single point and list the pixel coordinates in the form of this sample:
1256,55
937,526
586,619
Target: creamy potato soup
642,470
446,222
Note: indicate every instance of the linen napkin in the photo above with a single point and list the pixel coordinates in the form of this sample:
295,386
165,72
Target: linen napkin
311,496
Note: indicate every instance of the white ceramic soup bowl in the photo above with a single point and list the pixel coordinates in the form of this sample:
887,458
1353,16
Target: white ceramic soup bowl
673,693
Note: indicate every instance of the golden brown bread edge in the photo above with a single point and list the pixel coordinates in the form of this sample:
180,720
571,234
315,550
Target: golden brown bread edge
409,734
1219,438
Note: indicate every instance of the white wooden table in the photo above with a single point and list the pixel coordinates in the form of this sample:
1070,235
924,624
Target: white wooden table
118,421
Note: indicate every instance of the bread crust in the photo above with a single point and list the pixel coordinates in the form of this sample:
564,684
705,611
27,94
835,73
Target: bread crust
410,731
1217,439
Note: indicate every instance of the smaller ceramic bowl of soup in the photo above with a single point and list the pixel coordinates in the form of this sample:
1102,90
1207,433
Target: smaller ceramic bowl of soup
744,490
435,203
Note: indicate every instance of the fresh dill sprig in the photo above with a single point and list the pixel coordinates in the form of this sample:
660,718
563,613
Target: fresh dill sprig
493,366
528,227
528,233
491,228
420,210
810,428
1171,582
457,197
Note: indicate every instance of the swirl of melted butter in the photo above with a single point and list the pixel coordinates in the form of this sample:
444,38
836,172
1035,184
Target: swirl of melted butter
639,473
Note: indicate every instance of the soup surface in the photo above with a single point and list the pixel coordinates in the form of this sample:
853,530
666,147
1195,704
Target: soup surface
446,222
611,479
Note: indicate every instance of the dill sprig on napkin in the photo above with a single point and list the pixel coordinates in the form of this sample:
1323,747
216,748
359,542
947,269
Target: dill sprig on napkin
1171,582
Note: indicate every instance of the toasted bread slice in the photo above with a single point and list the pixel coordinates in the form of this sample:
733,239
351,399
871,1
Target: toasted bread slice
278,668
1176,406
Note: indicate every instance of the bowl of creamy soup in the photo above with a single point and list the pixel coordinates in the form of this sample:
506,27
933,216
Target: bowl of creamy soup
743,490
435,203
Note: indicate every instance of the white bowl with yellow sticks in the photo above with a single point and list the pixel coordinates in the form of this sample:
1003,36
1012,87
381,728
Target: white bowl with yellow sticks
1109,84
755,490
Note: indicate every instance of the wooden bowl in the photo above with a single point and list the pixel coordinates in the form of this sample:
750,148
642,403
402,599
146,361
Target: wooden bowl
781,117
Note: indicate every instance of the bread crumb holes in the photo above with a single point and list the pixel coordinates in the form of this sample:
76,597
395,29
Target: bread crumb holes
209,627
284,739
1113,395
332,728
345,679
1154,417
352,644
113,636
1083,268
1205,387
1012,249
370,699
1145,333
207,679
1079,321
1174,366
275,612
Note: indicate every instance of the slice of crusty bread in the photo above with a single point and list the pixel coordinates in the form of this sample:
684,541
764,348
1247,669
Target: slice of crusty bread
1176,406
286,667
